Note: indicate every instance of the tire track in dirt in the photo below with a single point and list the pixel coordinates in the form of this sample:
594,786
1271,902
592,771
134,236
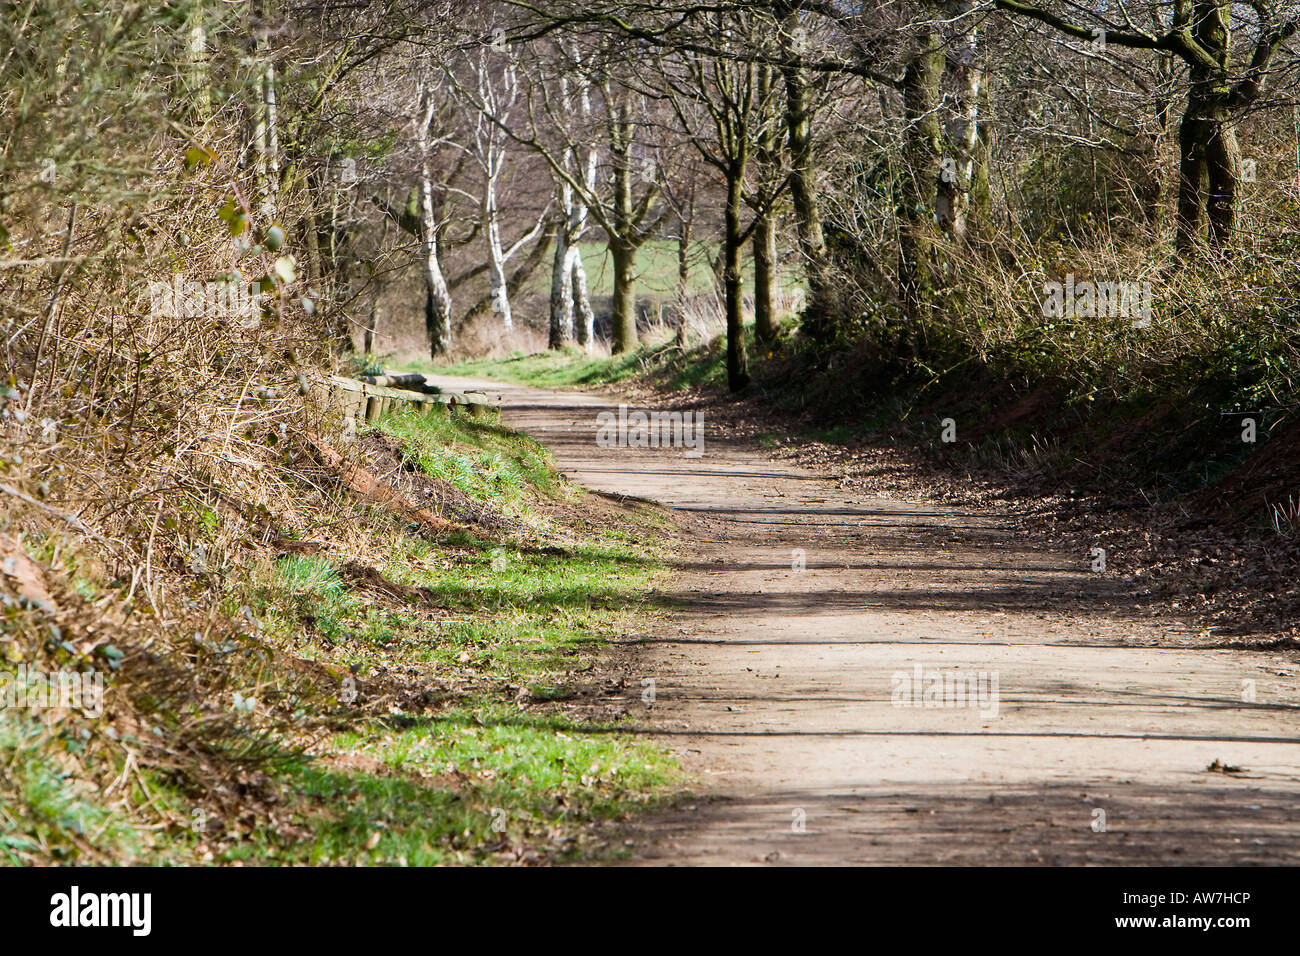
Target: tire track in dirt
777,686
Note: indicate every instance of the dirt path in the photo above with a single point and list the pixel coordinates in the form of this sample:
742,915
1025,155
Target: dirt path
777,686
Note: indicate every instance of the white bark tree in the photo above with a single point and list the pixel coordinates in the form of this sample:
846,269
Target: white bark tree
437,308
571,313
488,149
631,212
491,88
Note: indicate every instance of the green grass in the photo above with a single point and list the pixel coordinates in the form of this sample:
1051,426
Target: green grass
544,369
656,267
660,362
481,773
517,615
308,586
46,813
517,619
482,458
478,753
520,779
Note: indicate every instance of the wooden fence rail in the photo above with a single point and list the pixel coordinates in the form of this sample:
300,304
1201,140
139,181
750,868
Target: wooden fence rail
353,400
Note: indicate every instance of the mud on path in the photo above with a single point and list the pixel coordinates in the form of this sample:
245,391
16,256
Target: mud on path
777,686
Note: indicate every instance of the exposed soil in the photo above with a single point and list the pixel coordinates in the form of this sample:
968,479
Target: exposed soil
1206,554
779,687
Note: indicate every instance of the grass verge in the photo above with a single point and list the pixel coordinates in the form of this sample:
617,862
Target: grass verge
380,694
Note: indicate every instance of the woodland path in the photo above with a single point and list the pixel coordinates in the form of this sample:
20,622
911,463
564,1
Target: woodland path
775,686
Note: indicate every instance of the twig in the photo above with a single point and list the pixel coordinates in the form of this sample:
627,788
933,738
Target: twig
51,307
70,519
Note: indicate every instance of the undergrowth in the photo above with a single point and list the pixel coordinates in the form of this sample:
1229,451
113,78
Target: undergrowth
357,690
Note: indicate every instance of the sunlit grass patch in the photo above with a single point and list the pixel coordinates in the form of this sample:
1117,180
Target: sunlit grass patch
480,458
464,785
662,363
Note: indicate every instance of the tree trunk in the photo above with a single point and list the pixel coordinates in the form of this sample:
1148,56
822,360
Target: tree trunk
1192,174
200,87
437,301
311,234
1150,189
981,195
561,324
818,317
496,256
266,139
1209,174
624,304
372,327
621,245
261,164
918,190
1209,166
737,361
764,243
584,317
514,280
1223,168
684,267
426,208
571,314
962,80
343,301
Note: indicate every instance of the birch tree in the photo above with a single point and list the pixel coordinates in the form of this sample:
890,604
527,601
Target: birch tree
628,211
571,315
432,219
496,94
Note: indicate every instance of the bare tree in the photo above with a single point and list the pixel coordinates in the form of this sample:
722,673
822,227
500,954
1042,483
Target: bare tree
724,104
492,92
432,218
629,211
1219,90
569,299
